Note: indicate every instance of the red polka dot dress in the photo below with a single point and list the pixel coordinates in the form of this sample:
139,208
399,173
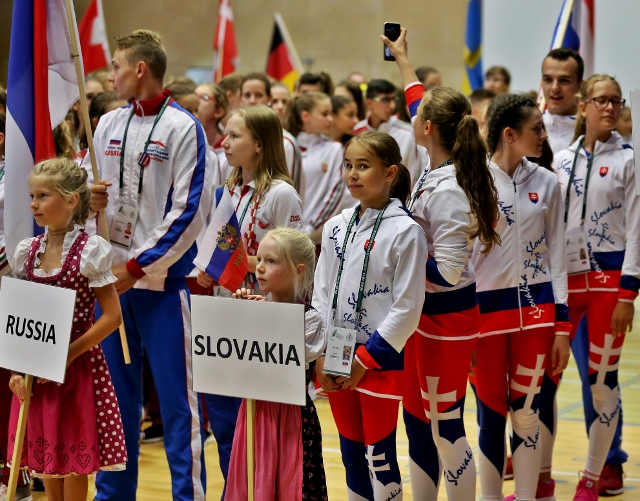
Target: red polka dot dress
73,428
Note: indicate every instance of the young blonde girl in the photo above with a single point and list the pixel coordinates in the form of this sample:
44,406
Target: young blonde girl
309,120
288,459
69,436
380,300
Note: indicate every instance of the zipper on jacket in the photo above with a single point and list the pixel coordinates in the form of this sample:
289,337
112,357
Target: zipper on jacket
517,265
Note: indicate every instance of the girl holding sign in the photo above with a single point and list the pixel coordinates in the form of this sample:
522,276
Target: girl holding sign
74,429
288,454
598,182
368,291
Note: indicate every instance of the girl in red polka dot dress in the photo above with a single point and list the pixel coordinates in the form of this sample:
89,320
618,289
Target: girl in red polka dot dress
74,429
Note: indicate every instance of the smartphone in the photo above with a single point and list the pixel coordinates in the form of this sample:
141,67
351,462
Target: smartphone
392,32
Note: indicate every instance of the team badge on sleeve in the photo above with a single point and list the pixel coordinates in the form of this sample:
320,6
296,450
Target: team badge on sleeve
533,197
604,171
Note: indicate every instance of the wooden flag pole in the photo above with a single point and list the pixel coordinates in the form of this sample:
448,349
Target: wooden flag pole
251,465
84,111
20,431
297,62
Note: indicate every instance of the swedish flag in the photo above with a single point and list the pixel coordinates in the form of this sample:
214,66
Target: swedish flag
473,77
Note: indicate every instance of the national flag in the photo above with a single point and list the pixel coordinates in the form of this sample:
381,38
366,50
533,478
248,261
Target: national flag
224,43
93,38
575,30
221,254
473,78
42,86
283,63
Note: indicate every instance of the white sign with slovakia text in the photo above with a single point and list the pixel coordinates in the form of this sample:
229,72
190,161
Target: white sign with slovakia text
35,328
248,349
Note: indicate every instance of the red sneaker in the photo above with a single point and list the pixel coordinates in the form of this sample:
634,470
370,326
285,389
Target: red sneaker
610,483
508,471
544,492
587,490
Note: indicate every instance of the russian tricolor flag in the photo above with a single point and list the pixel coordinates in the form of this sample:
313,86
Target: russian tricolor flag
221,254
42,86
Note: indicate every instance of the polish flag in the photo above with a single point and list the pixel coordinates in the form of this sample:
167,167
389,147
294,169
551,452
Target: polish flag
224,43
93,38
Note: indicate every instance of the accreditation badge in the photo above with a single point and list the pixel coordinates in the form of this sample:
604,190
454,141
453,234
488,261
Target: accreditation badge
577,251
123,225
341,345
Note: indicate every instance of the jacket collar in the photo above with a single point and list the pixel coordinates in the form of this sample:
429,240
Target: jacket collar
150,106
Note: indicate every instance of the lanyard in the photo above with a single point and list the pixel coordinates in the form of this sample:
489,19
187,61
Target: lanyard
423,178
142,161
586,184
246,207
365,266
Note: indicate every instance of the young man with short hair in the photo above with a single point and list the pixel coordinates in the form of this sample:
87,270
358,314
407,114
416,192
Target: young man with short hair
152,157
562,74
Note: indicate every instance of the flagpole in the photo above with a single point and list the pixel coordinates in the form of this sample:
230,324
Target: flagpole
84,111
557,42
19,441
297,62
251,415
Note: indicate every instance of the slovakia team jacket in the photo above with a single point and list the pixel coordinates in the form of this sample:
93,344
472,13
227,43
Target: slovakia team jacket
522,283
393,294
612,219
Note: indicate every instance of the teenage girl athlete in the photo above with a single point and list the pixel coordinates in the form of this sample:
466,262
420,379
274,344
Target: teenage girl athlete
309,120
256,89
455,201
68,416
288,456
522,291
264,199
366,281
598,186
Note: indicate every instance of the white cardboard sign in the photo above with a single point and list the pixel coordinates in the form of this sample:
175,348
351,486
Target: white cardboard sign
35,328
635,119
248,349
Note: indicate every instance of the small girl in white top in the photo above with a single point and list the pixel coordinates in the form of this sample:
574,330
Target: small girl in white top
65,418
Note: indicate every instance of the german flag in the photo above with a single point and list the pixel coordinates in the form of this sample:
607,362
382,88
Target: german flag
283,63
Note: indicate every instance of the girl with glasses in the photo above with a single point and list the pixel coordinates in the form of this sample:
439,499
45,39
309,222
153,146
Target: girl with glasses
598,187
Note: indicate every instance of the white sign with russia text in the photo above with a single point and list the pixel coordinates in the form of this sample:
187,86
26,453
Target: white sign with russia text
248,349
35,328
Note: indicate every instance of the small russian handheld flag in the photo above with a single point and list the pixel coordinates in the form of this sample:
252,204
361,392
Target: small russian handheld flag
221,254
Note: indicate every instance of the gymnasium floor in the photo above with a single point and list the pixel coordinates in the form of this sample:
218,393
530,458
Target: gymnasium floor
570,450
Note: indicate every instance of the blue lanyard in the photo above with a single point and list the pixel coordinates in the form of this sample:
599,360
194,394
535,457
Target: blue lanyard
423,178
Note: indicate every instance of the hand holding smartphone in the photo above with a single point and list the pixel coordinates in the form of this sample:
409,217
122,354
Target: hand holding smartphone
392,32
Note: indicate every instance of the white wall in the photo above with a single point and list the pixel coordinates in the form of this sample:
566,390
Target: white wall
517,34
